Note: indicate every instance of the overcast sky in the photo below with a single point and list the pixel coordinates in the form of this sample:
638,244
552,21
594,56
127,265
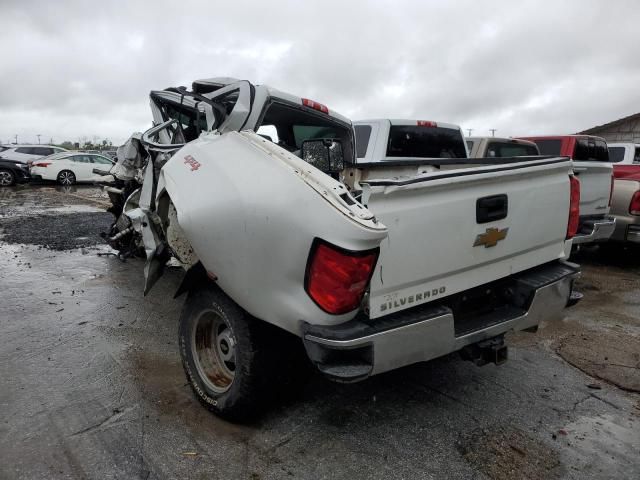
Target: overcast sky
70,69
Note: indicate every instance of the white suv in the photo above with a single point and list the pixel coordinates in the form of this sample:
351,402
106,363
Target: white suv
24,153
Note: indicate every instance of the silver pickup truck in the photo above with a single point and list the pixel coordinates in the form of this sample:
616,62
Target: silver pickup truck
285,237
480,147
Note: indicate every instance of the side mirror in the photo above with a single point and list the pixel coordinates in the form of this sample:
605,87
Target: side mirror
323,153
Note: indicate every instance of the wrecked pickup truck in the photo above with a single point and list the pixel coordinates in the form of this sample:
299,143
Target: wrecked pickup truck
288,242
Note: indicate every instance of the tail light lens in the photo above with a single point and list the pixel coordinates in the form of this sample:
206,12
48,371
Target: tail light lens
611,191
634,206
336,279
315,105
574,207
426,123
41,164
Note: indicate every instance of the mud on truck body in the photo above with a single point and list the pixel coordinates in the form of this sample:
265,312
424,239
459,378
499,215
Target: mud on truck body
288,243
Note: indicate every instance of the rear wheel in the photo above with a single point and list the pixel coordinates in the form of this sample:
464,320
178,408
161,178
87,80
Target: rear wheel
234,362
7,178
66,177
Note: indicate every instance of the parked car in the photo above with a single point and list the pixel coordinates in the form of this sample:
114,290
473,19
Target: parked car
68,168
25,153
593,167
367,266
12,172
626,204
624,153
480,147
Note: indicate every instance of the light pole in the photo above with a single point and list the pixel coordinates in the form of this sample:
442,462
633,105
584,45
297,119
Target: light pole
493,131
15,138
38,135
469,130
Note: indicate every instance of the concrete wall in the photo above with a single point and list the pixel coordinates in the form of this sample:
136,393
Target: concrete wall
628,131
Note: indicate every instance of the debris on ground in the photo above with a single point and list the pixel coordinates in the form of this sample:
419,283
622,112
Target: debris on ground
504,453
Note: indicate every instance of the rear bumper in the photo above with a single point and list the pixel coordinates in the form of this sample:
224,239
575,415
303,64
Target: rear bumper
627,229
598,230
364,347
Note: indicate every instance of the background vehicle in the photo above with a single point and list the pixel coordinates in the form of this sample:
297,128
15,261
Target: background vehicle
624,153
24,153
382,140
372,266
12,172
625,204
480,147
68,168
593,167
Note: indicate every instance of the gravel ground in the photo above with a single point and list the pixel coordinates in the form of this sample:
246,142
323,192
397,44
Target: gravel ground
91,384
57,232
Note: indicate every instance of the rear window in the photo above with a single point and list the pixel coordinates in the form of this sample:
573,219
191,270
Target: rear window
25,150
363,134
616,154
510,149
587,149
44,151
636,157
311,132
549,147
425,142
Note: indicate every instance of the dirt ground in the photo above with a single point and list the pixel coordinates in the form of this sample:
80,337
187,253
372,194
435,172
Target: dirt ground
91,384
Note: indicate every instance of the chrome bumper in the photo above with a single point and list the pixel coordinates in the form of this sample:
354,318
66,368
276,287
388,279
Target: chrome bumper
627,229
633,234
354,351
595,230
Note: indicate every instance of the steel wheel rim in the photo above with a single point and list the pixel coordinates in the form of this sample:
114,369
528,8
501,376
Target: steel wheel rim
66,178
6,178
214,348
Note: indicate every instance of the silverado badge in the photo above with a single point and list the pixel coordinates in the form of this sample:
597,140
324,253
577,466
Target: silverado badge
491,237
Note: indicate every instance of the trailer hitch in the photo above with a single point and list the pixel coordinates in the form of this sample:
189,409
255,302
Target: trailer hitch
492,350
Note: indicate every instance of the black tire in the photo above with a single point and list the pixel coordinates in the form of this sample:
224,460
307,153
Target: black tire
261,361
66,178
7,178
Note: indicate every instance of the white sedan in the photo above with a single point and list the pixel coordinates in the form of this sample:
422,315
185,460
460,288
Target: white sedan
70,167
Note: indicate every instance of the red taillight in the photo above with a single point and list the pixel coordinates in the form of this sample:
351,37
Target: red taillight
41,164
611,191
426,123
336,279
634,206
574,207
315,105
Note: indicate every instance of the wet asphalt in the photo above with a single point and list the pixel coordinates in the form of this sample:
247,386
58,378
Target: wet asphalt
91,384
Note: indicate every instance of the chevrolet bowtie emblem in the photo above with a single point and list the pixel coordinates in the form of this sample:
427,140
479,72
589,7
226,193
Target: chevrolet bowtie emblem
491,237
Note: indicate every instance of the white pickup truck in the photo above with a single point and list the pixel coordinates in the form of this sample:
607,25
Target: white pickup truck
624,153
591,164
257,193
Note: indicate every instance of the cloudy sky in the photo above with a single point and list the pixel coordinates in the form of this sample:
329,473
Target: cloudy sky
71,70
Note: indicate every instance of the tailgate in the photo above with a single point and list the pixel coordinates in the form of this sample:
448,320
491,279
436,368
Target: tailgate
595,187
433,226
